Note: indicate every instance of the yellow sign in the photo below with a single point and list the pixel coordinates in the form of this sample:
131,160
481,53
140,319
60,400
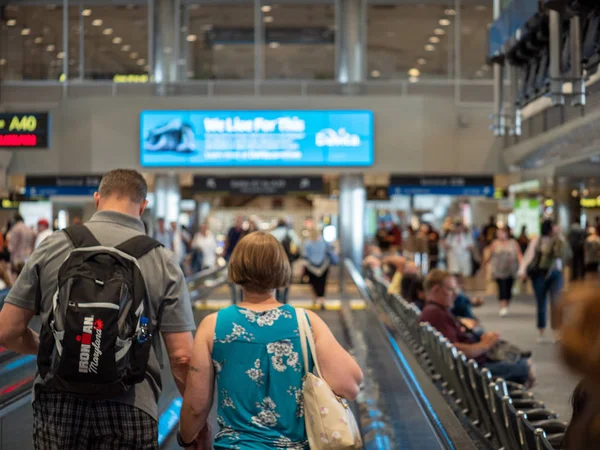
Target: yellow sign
8,204
589,203
549,203
131,78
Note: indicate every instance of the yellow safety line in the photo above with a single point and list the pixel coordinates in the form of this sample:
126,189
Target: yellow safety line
335,305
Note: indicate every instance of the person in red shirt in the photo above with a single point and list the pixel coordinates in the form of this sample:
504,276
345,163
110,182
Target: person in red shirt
440,291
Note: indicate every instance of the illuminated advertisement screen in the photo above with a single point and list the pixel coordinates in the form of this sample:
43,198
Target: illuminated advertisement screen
24,130
256,138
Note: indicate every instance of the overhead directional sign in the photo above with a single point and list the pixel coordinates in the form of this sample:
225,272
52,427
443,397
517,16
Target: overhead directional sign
459,185
24,130
48,186
258,185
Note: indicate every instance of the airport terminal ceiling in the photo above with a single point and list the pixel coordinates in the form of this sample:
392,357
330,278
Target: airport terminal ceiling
217,39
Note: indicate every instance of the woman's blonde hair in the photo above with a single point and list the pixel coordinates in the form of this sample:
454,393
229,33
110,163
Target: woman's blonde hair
259,264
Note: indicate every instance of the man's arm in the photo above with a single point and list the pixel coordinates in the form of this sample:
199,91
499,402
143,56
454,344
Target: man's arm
15,334
475,350
179,349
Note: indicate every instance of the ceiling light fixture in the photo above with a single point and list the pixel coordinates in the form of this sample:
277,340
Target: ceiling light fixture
414,72
269,19
11,22
218,47
107,31
421,61
141,62
266,8
2,62
134,55
574,193
274,45
117,40
429,48
60,55
375,73
445,22
439,32
25,31
86,12
450,12
413,79
38,40
191,38
126,48
97,22
434,40
51,48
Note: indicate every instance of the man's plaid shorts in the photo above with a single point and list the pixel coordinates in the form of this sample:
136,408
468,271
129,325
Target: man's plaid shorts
65,422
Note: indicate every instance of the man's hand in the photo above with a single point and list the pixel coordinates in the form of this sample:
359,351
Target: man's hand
489,339
477,301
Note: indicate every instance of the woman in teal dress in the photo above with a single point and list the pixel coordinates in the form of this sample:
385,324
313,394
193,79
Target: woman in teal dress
249,355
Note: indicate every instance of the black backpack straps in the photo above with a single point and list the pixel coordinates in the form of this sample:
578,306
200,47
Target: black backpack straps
138,246
81,236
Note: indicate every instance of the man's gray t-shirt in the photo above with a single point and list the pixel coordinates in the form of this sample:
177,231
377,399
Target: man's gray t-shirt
36,286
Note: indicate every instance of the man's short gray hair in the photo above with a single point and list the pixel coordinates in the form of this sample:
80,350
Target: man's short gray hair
124,183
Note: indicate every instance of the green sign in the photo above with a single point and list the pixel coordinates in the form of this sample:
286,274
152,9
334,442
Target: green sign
528,213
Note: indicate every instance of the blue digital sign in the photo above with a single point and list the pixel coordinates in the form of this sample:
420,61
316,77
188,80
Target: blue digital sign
256,138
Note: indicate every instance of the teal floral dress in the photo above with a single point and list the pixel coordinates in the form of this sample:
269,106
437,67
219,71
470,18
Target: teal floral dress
259,369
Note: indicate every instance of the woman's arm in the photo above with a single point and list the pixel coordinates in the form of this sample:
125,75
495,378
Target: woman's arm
489,254
519,253
199,388
528,257
338,368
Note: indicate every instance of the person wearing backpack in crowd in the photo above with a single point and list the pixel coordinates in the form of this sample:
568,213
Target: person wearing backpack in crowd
104,292
291,243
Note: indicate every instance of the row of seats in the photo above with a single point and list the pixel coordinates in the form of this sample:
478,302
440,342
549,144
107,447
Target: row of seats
503,414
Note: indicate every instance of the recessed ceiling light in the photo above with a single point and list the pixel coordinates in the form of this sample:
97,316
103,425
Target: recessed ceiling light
2,62
268,19
414,72
266,8
421,61
375,73
117,40
207,27
274,45
86,12
480,8
429,48
126,48
97,22
51,48
38,40
107,31
134,55
439,32
60,55
25,31
444,22
586,192
413,79
434,40
141,62
218,47
11,22
450,12
192,38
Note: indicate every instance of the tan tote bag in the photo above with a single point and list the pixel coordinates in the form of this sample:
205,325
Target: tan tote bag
330,424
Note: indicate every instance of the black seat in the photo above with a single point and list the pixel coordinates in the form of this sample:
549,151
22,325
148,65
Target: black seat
543,442
479,392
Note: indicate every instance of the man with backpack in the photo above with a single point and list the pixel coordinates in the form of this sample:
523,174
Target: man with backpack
104,292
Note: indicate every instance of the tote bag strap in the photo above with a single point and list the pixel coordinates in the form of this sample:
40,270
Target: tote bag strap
306,335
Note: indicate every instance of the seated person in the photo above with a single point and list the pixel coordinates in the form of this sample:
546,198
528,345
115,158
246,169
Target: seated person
463,305
416,294
440,292
398,264
407,281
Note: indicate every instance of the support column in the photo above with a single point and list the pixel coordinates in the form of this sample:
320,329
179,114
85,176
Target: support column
165,16
499,126
167,195
556,81
567,208
352,217
515,110
259,43
578,98
351,28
